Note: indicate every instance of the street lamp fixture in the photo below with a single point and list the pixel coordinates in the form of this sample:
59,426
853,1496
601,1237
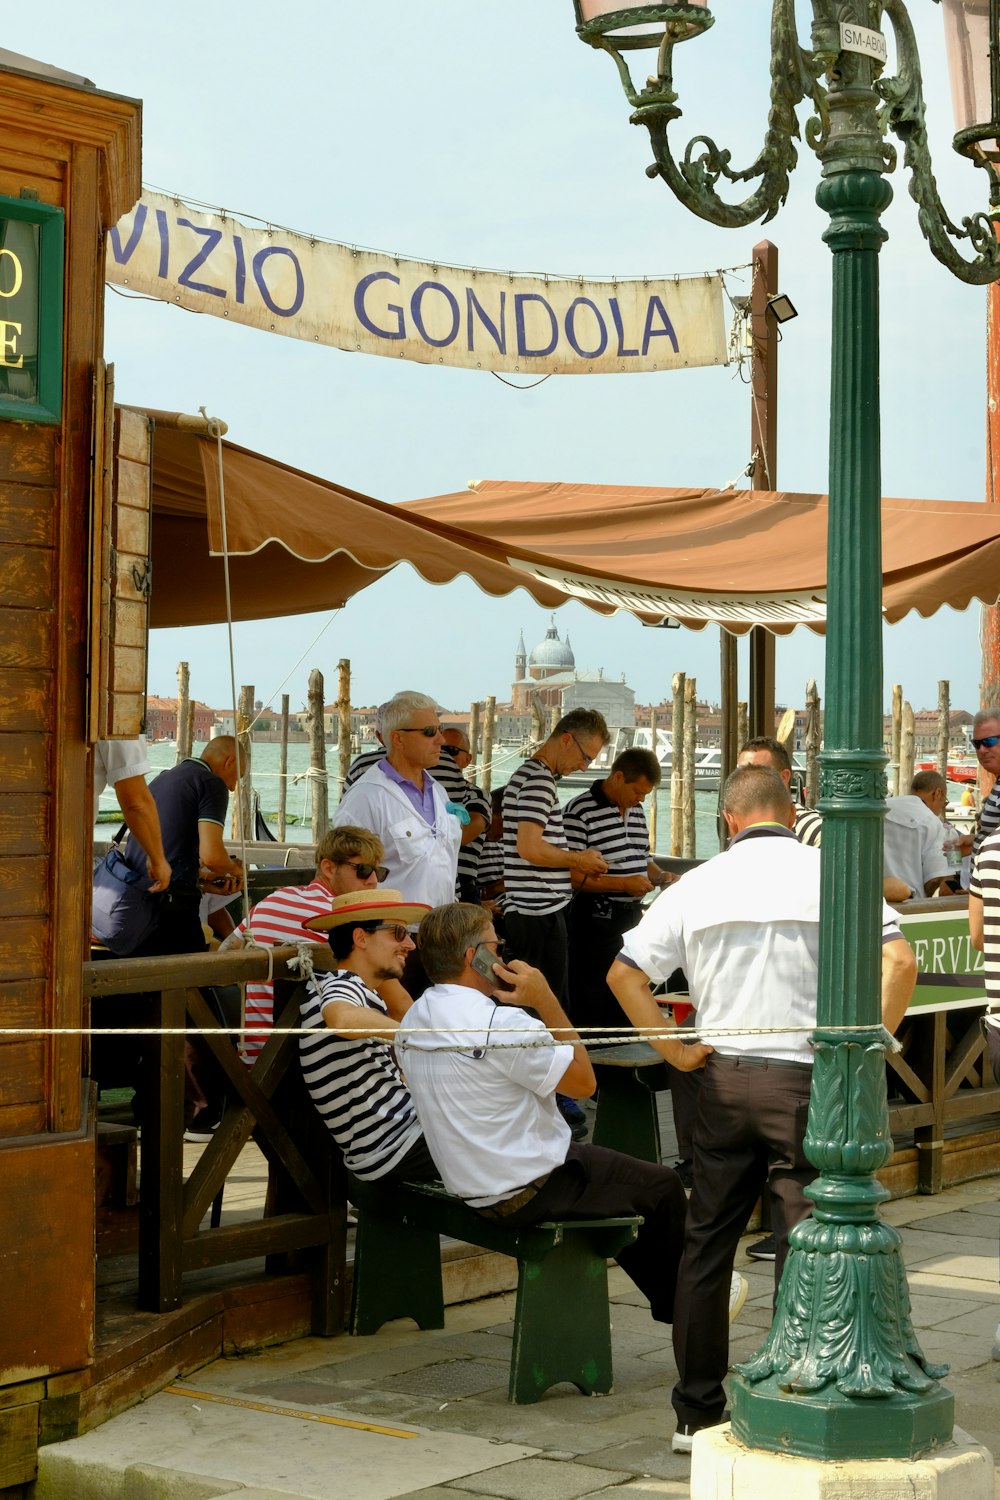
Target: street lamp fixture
840,1374
783,308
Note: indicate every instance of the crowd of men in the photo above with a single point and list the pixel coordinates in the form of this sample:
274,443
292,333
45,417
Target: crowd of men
475,936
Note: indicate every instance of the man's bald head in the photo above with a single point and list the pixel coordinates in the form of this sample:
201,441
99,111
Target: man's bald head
220,755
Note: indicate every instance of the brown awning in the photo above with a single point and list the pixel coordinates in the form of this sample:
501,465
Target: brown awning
733,557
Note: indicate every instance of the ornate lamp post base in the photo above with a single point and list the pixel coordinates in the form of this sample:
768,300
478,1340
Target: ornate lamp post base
824,1424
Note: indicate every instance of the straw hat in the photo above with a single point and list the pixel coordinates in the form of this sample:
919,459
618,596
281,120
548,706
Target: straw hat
379,905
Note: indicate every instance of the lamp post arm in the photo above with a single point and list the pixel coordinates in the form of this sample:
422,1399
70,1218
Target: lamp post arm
904,113
794,77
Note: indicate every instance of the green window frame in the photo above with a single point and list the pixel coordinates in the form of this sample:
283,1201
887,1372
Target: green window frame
40,399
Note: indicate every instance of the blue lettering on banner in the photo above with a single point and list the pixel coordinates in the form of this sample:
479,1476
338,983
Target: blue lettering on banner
212,238
161,224
520,299
416,312
124,255
258,276
649,332
571,328
616,317
361,313
473,305
241,268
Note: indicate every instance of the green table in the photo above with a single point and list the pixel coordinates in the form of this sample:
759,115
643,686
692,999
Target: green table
629,1076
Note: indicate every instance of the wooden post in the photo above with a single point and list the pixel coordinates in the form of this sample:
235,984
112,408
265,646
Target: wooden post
283,770
814,739
677,768
906,748
728,742
690,740
343,721
183,746
317,756
989,616
486,781
785,732
555,714
189,732
897,726
655,793
537,726
474,741
944,727
243,819
764,451
743,721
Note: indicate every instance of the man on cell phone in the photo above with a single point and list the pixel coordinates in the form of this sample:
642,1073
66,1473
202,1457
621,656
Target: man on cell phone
483,1074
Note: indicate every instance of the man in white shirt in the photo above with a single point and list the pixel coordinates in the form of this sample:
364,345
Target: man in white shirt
483,1074
744,926
123,765
914,835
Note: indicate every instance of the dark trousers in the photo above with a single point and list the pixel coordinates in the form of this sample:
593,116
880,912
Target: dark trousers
594,1183
416,1166
749,1130
542,942
595,928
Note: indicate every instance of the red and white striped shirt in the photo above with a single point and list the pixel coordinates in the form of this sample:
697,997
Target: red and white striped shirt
278,919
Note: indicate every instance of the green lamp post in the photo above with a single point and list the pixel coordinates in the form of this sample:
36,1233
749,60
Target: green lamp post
840,1374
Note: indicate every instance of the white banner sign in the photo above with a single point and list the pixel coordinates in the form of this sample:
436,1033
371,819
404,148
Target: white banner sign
372,303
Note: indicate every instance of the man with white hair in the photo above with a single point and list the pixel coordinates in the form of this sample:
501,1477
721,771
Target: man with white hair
401,803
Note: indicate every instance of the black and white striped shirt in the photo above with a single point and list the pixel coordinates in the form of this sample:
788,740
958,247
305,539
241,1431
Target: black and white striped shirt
592,822
989,818
530,797
808,827
985,883
354,1081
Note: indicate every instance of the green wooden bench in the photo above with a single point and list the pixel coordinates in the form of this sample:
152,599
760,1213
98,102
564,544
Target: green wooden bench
562,1329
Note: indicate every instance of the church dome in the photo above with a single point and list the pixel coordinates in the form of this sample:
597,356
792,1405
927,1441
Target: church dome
552,654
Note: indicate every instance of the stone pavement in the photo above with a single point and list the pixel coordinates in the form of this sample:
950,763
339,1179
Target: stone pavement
425,1415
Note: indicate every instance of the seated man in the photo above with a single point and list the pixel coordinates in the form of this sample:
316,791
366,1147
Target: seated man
347,859
347,1064
914,836
484,1077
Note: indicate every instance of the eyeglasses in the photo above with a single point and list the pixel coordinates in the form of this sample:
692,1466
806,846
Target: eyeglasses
399,932
586,758
987,742
364,871
427,730
496,943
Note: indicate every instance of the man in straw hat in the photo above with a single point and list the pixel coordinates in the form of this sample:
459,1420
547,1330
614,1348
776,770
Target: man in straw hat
347,1063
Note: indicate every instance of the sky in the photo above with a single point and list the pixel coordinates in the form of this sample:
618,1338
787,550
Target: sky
490,136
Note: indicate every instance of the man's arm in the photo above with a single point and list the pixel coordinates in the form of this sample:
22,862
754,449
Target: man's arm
473,828
530,990
630,987
214,856
358,1021
976,921
899,975
536,850
397,1000
139,811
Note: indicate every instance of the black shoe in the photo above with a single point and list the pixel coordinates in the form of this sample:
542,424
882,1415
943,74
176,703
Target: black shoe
683,1438
685,1171
765,1249
574,1117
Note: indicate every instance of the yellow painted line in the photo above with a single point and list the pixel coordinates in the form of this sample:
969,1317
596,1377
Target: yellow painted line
284,1411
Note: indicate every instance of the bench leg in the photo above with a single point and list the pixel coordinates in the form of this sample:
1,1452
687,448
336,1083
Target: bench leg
397,1274
626,1115
562,1328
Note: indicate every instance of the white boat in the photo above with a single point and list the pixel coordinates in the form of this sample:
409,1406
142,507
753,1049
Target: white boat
707,762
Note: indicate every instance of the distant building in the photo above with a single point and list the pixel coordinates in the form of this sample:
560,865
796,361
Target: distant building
161,719
549,677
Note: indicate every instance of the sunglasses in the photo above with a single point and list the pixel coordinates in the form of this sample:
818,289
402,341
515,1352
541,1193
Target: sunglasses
364,871
399,932
427,730
987,742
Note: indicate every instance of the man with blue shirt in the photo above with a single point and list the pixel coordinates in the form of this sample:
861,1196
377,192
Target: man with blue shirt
744,926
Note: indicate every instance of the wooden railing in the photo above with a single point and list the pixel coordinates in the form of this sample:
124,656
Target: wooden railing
305,1215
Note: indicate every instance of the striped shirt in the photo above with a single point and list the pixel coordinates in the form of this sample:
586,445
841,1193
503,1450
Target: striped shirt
592,822
985,883
354,1082
808,827
530,797
279,918
471,853
989,817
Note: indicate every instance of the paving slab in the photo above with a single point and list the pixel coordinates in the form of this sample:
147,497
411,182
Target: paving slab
541,1479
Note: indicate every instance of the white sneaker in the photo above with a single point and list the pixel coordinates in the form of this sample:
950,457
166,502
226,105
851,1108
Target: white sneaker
683,1439
738,1289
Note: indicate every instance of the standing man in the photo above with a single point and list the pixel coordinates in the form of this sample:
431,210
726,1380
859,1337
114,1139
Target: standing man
347,859
402,804
123,764
346,1061
608,817
986,743
763,750
450,772
984,930
745,928
914,834
483,1074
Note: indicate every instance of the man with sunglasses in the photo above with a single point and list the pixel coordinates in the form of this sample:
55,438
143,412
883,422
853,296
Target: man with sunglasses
347,1063
399,800
347,859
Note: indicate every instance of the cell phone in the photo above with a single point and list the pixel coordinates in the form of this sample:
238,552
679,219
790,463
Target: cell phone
483,961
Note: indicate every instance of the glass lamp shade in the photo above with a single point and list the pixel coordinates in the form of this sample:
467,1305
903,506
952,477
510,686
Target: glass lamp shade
638,25
967,28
